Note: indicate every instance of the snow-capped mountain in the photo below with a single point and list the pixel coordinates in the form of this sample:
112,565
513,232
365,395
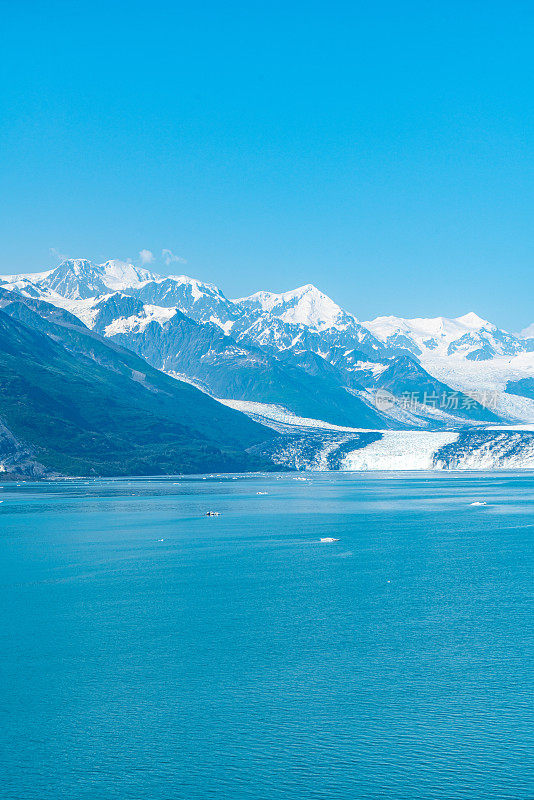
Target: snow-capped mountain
78,279
304,306
474,338
469,354
299,350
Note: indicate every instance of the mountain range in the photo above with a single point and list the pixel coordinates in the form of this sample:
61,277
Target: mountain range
292,356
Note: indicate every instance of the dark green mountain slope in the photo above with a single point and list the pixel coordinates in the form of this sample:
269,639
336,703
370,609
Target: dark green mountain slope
84,406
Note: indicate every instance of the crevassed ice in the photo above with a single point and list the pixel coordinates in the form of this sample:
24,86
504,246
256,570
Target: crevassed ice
399,450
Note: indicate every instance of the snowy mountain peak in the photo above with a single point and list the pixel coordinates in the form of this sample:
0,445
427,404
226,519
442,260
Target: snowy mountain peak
197,287
78,266
189,280
422,327
307,289
122,274
473,321
79,278
469,337
305,305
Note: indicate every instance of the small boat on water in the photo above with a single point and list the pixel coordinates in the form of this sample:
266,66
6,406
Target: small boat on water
329,539
212,513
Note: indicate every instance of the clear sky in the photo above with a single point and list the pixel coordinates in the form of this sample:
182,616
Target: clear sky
382,151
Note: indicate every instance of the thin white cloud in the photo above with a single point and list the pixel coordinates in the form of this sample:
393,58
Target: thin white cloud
170,258
57,254
146,256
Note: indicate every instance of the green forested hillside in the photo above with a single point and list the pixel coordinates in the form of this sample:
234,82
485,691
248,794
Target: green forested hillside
84,406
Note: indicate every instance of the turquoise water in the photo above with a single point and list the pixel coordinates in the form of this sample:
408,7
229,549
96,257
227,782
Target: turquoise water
240,658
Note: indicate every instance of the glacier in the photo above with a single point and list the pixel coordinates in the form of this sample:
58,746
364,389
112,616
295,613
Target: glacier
319,449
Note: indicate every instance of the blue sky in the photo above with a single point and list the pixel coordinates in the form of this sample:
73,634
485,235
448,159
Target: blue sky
384,154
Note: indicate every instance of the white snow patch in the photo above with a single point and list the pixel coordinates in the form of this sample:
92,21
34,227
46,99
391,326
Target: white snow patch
138,323
226,327
370,366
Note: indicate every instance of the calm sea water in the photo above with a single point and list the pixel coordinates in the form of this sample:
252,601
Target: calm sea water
150,652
